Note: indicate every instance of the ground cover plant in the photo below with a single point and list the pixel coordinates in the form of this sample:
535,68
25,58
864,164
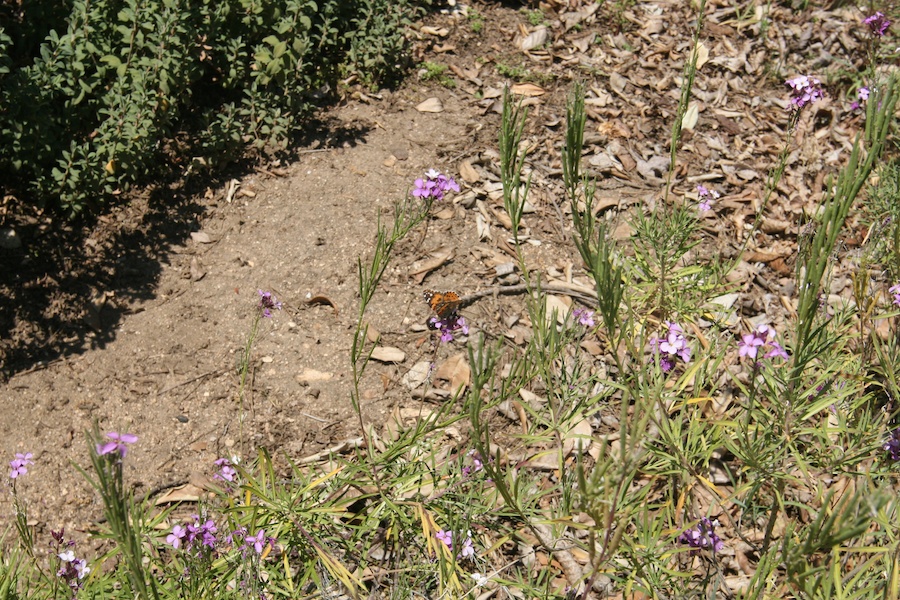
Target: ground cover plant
645,442
96,96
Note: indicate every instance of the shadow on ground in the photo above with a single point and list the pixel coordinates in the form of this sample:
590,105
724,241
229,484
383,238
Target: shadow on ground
65,285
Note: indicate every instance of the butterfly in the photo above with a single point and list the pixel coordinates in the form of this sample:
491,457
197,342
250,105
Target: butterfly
444,304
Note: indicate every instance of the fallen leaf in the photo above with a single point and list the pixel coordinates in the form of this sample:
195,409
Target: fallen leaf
183,493
388,354
311,375
417,375
468,172
455,370
432,105
421,268
691,115
702,55
534,39
527,89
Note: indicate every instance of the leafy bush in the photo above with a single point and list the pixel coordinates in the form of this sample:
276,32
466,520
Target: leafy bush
117,86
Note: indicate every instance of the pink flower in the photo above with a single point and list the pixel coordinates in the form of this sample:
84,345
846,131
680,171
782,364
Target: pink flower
117,444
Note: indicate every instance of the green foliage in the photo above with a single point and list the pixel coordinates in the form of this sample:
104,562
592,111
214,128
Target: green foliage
101,99
436,72
476,21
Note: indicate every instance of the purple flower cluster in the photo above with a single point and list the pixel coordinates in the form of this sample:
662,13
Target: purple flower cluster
448,325
468,548
763,335
117,443
894,290
862,95
19,466
892,445
804,90
268,302
434,186
202,536
584,317
878,24
706,197
226,470
194,535
71,570
702,536
476,466
673,346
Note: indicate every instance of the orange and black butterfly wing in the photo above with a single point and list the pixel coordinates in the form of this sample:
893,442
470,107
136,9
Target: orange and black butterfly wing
444,304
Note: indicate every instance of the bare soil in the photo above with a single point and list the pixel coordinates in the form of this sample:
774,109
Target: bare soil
137,321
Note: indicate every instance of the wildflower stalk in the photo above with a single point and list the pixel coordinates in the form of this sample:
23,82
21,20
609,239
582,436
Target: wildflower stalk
690,71
407,215
124,517
839,196
512,162
592,242
267,303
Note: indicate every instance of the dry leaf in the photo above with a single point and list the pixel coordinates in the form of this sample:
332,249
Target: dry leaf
617,82
421,268
527,89
691,115
702,55
535,39
578,438
455,370
468,172
417,375
560,305
432,105
183,493
388,354
311,376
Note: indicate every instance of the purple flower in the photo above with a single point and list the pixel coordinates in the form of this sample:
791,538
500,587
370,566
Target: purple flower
226,471
584,317
706,197
675,344
448,325
776,351
804,90
878,24
434,186
477,465
117,444
749,345
198,534
268,302
468,549
258,541
446,537
178,534
19,466
894,290
702,536
892,445
72,570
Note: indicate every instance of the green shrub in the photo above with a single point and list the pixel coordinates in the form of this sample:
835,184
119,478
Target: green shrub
99,104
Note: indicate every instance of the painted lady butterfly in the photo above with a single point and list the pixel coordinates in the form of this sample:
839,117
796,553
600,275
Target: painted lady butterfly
444,304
